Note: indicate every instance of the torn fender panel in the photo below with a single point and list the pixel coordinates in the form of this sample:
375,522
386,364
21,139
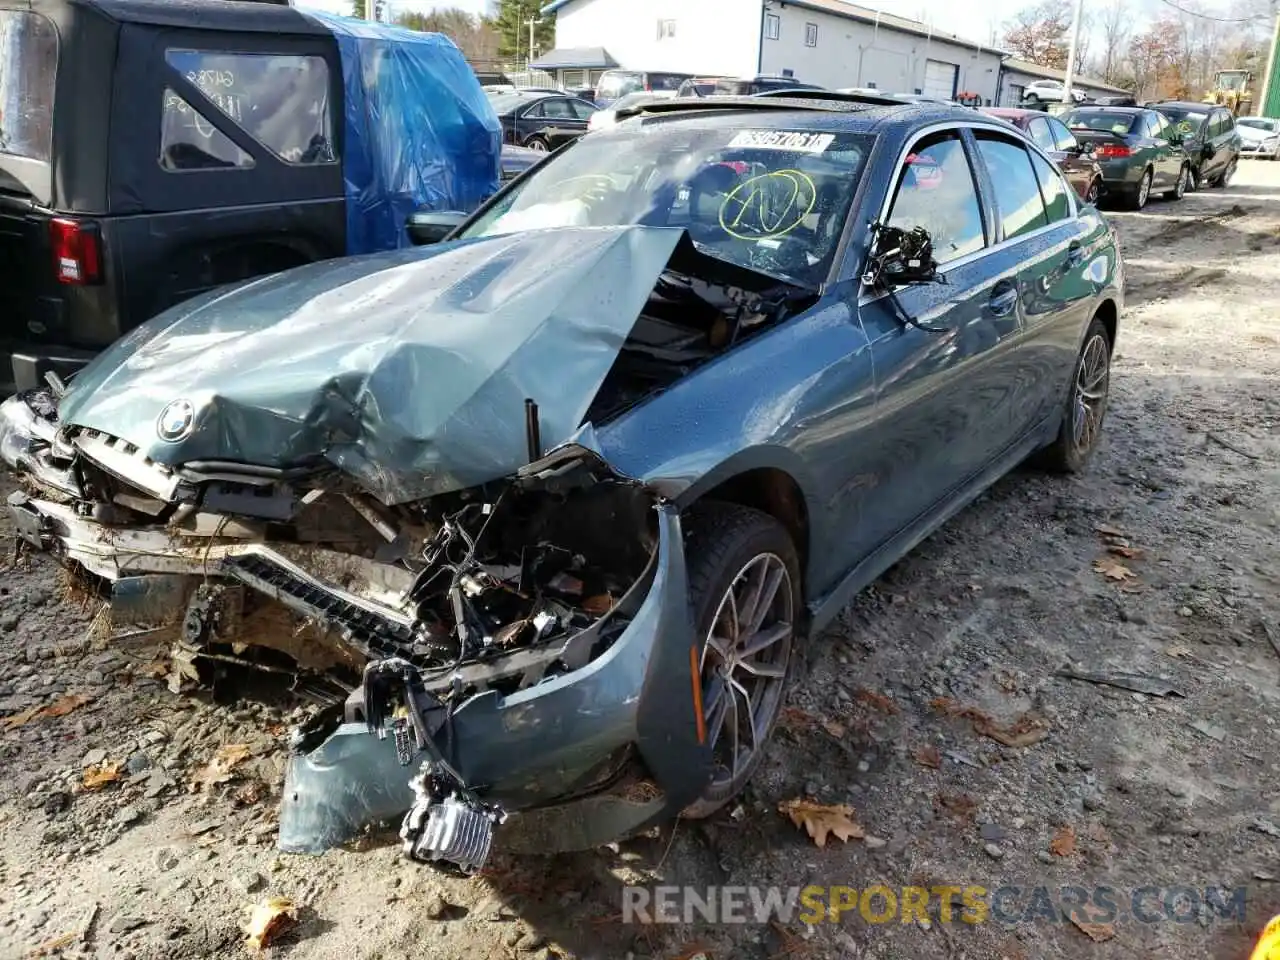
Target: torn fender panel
538,743
408,370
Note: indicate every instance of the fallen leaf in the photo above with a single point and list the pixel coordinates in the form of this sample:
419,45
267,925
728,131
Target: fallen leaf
834,728
1113,569
1108,531
877,700
598,605
820,821
1129,553
928,756
1097,932
13,721
64,705
269,920
1063,843
221,768
793,718
959,805
95,778
1028,729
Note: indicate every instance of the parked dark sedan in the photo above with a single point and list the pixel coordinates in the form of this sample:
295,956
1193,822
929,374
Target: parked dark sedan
547,510
1052,136
541,121
1138,149
1209,138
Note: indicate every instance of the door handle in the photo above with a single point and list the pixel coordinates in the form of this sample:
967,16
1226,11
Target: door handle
1003,298
1075,254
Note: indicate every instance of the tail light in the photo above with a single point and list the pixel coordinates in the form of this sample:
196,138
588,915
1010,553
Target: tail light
1112,151
77,252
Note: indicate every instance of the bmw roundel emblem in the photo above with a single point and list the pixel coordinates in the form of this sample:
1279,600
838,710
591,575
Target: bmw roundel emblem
176,420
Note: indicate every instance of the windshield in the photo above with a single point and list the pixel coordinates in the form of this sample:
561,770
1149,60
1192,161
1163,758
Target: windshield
28,64
617,83
1120,123
772,200
1187,121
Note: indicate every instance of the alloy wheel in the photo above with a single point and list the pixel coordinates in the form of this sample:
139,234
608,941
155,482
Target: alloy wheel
744,664
1093,378
537,145
1144,189
1228,173
1180,188
1095,191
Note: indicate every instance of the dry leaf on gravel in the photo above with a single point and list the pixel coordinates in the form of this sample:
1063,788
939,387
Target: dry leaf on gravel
95,778
928,756
793,718
268,921
1097,932
1108,531
15,720
834,728
1129,553
821,821
59,708
222,767
1063,843
1028,729
1113,569
959,805
877,701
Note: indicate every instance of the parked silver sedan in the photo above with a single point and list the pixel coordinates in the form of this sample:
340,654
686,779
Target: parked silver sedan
1260,137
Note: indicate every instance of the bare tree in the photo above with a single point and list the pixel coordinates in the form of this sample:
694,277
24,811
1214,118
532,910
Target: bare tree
1117,20
1039,33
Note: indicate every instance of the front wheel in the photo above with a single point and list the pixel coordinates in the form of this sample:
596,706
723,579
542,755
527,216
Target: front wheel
744,589
1227,174
1086,406
537,143
1179,188
1032,98
1094,193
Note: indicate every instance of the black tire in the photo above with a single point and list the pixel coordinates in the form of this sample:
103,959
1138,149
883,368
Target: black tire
1180,188
723,542
1031,98
1142,193
539,144
1094,194
1193,180
1077,438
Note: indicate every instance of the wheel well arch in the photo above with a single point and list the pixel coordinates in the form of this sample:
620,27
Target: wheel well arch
773,491
1110,318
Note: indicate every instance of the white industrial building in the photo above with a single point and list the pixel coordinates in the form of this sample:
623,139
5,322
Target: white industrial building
829,43
1018,73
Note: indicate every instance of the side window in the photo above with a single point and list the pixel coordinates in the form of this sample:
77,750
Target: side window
281,100
557,110
1038,129
1052,188
1226,124
188,141
1063,139
1161,126
534,112
581,110
1018,199
936,191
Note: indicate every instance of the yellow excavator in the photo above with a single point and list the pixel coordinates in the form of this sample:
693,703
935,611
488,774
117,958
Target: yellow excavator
1231,90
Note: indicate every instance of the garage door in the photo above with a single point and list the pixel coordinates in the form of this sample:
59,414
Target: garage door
940,79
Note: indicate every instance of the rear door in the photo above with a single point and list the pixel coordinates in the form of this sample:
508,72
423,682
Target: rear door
1041,249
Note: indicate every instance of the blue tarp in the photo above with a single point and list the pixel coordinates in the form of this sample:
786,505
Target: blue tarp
419,130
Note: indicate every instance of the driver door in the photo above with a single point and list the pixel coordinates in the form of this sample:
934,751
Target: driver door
943,352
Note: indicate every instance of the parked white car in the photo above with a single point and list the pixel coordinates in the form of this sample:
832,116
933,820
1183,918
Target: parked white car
609,116
1259,137
1050,91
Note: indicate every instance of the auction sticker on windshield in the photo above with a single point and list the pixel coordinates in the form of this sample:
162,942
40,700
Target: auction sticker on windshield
795,140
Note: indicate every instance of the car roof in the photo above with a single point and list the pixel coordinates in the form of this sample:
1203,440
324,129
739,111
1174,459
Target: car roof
1013,113
1106,108
1187,105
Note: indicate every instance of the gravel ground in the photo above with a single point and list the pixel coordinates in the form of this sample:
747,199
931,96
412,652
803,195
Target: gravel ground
1124,789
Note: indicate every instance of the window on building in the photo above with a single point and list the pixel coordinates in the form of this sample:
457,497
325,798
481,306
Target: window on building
810,34
772,26
666,29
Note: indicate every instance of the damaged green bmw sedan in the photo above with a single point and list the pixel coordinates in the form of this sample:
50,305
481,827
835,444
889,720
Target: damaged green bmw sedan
540,514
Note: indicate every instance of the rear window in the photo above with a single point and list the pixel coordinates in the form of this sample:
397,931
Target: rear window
666,81
1120,123
282,101
1186,121
618,83
28,66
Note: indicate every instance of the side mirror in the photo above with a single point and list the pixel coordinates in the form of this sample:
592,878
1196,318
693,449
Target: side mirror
426,227
1176,139
900,257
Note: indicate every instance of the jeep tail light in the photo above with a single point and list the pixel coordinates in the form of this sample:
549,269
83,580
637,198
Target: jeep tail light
77,252
1112,151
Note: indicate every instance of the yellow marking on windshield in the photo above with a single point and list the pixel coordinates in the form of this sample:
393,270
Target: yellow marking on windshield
768,205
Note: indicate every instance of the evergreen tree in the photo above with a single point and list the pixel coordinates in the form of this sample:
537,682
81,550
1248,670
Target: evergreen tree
510,20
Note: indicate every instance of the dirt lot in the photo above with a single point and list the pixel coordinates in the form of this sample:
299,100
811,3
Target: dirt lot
1126,790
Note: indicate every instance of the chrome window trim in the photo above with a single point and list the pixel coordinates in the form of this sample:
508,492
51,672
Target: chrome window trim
978,125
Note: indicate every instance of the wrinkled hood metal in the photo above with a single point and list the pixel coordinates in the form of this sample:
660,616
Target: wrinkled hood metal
408,370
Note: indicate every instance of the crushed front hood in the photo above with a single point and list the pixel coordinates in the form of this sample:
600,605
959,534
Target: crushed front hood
408,370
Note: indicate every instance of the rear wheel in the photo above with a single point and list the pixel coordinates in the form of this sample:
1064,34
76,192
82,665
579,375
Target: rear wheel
537,143
1179,188
1086,406
1031,97
1094,194
1138,199
744,589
